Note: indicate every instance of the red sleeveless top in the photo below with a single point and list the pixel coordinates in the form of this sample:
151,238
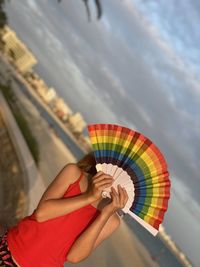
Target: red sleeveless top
46,244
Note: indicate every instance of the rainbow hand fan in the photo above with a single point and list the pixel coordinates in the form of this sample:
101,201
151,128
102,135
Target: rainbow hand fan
136,164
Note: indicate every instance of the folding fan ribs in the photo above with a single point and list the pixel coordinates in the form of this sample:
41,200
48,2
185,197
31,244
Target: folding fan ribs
136,164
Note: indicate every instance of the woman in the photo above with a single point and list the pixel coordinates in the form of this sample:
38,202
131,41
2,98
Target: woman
70,221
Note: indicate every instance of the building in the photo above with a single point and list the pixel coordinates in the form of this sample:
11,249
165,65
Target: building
18,52
62,109
42,91
50,95
77,122
40,87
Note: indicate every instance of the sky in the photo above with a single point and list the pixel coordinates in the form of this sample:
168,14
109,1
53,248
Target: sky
139,67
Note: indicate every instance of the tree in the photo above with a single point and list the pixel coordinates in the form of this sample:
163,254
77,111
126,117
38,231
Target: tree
3,17
98,8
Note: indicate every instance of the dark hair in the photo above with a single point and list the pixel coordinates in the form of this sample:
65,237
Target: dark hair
88,163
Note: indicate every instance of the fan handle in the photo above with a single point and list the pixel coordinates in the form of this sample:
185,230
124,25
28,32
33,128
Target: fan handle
104,194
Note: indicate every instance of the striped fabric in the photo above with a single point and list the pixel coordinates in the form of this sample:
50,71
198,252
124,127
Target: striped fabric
5,254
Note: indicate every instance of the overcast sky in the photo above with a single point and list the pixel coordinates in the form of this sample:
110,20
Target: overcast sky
139,67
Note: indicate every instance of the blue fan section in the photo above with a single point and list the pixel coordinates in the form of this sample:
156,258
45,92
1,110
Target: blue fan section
131,167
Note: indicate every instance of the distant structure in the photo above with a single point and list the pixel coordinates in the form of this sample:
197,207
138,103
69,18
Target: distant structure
17,51
77,122
40,87
62,110
35,80
174,248
24,60
50,96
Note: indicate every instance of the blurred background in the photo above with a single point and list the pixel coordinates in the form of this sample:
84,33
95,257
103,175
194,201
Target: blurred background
65,64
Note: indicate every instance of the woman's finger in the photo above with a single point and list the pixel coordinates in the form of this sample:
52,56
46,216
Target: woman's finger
114,191
121,195
116,196
125,196
97,174
104,185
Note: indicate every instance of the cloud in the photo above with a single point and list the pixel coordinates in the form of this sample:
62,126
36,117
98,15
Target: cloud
114,81
183,192
180,32
138,77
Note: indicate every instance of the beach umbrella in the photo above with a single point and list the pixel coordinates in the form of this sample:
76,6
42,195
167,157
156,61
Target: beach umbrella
138,165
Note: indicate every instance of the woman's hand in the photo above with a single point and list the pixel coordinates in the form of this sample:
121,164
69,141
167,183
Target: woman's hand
118,200
98,183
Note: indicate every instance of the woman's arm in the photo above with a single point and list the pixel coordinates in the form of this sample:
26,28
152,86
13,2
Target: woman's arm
100,229
52,204
53,208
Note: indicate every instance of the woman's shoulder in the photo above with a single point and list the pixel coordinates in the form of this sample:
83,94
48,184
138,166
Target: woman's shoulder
71,166
73,170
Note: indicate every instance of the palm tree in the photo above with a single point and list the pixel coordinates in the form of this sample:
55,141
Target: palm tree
3,17
98,8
